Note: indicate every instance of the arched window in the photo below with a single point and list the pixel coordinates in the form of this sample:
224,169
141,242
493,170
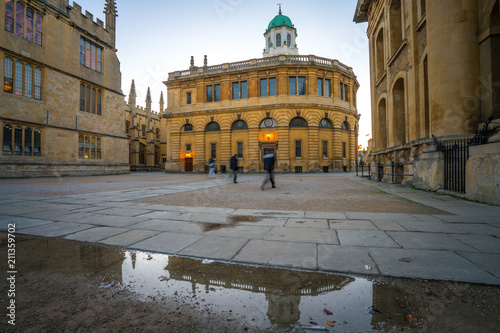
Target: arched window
278,40
239,124
325,123
268,122
298,122
396,32
19,19
379,53
289,40
381,129
143,130
398,115
345,126
269,43
213,126
188,128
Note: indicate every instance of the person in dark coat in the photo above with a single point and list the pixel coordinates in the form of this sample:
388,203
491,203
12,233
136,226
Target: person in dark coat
233,165
269,159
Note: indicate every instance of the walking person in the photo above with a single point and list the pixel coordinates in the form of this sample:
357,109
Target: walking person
233,165
211,167
269,159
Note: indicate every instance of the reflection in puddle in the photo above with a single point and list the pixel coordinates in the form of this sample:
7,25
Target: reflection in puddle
264,297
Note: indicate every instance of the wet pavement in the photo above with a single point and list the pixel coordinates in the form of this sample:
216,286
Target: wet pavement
450,239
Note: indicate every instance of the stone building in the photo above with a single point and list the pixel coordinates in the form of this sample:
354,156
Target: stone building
302,107
61,106
143,130
435,72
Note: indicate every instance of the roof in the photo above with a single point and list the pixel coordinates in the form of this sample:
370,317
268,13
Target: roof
361,14
280,20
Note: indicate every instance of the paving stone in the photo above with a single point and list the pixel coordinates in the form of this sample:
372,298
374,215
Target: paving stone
488,262
388,225
162,215
352,225
345,259
55,229
325,215
241,231
440,227
215,247
380,216
125,211
201,217
289,254
20,222
426,218
271,213
429,241
479,229
483,243
95,234
302,235
130,237
169,225
307,223
365,238
428,264
166,242
257,221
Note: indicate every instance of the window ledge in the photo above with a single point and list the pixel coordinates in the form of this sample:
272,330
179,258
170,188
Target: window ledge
399,49
421,23
381,78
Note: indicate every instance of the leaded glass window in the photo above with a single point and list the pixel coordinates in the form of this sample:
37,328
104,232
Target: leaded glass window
29,24
9,15
19,19
325,123
213,126
18,81
272,86
8,85
28,78
7,140
239,124
278,40
298,122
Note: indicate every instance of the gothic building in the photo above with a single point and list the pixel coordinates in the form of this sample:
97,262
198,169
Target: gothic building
302,107
61,106
143,130
435,69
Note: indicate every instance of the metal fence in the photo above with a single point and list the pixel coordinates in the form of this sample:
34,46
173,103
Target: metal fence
397,170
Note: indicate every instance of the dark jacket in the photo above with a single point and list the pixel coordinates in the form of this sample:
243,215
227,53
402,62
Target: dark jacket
233,163
269,161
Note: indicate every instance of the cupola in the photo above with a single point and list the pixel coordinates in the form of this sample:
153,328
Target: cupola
280,36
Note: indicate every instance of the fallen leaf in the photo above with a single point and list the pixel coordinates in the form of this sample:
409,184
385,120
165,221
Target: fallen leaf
330,323
149,258
328,312
410,318
313,323
163,278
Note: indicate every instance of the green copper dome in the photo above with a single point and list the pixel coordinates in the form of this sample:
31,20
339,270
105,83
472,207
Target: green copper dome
280,20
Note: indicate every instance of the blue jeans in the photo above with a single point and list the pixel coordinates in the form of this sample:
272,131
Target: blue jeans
211,171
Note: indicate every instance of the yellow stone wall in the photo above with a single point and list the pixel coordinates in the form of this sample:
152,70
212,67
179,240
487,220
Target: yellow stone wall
254,109
57,114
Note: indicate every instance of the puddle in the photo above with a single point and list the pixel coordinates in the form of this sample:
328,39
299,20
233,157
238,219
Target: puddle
264,297
232,219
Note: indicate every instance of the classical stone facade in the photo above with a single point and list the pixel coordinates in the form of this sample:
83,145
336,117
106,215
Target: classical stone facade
435,71
61,106
143,130
301,107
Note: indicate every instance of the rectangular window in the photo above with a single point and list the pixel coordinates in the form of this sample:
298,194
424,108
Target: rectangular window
236,90
320,87
325,148
298,169
18,81
327,88
18,141
217,93
93,57
209,94
8,85
27,141
98,148
213,150
82,51
87,99
87,147
346,92
188,147
37,149
298,148
343,150
87,53
92,147
94,104
82,97
272,86
99,59
263,87
7,140
99,102
341,91
302,85
9,15
80,146
38,29
240,149
188,98
28,78
38,83
90,55
243,87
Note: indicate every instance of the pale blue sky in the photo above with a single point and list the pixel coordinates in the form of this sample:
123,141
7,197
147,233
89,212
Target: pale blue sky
155,37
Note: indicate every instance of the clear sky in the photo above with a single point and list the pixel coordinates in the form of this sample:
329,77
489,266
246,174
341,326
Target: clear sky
155,37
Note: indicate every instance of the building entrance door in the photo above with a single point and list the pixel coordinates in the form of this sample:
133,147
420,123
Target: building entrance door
188,164
268,147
